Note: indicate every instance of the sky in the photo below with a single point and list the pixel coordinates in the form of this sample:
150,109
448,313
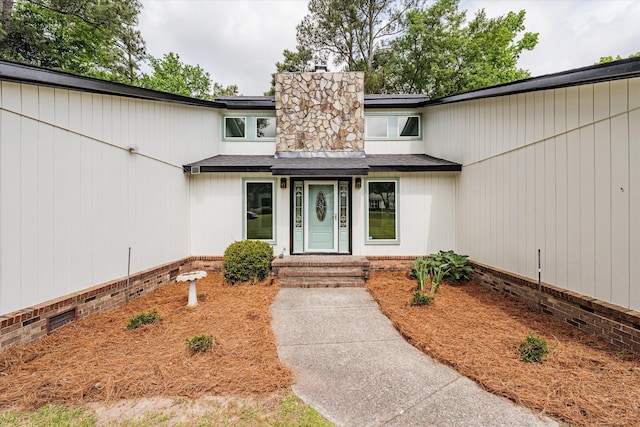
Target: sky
239,41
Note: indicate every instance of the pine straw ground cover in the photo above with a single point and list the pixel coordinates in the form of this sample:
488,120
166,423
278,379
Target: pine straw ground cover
97,359
583,381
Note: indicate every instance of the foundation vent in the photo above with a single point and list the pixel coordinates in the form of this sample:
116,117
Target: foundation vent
62,319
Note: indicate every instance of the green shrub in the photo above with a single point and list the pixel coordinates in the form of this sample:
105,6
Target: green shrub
144,318
199,343
420,298
247,261
533,349
457,266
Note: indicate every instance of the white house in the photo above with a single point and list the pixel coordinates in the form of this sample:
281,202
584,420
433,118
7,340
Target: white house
89,169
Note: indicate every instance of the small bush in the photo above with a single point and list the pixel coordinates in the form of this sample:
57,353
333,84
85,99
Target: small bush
199,343
247,261
533,349
457,266
420,298
144,318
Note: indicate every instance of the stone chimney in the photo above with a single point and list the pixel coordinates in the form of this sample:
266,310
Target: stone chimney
320,114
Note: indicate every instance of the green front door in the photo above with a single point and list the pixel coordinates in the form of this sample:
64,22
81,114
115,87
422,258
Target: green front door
321,217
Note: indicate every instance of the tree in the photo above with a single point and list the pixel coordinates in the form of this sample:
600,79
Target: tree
89,37
605,59
171,75
350,31
294,62
441,54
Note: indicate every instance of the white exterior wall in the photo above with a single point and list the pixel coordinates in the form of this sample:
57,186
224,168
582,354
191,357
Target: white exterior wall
555,170
425,210
426,214
73,198
217,212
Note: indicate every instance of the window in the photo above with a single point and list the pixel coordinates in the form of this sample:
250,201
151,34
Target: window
376,127
409,126
266,127
382,202
235,127
392,126
249,127
259,210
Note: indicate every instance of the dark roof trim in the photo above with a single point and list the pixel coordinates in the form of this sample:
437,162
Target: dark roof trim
319,166
21,73
320,171
247,102
616,70
394,101
452,167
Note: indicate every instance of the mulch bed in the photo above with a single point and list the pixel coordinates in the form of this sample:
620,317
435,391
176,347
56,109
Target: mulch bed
97,359
584,381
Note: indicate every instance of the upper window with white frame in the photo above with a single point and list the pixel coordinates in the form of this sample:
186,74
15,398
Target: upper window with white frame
249,127
393,126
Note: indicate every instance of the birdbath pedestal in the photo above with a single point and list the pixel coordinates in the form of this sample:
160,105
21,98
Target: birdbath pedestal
191,277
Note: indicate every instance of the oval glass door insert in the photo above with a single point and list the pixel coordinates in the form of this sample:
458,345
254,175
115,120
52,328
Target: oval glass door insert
321,206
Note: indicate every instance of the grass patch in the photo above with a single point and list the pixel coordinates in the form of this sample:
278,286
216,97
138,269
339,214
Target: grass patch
48,416
286,411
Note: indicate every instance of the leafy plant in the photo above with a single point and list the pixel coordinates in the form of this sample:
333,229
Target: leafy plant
420,298
144,318
458,267
420,271
199,343
533,349
437,275
247,261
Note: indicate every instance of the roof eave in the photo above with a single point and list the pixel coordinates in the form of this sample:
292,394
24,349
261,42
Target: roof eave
21,73
319,171
422,168
622,69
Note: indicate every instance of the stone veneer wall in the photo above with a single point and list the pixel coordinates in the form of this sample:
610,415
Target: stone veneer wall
320,112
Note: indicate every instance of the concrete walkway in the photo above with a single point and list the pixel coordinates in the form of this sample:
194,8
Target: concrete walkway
353,367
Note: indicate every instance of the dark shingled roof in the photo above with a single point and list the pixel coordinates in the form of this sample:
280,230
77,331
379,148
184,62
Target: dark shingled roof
311,166
20,73
247,102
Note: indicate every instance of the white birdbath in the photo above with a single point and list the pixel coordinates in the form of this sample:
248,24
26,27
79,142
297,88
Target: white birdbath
191,277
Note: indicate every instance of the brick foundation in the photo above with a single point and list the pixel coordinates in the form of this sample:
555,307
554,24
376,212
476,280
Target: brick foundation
392,263
32,323
617,325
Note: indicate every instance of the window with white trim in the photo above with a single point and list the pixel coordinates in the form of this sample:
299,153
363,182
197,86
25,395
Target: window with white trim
393,126
249,127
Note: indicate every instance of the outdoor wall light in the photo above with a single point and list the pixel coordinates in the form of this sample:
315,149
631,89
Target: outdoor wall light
283,182
358,182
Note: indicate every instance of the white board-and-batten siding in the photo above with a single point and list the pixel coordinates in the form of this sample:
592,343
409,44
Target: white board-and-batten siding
556,170
426,213
73,199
